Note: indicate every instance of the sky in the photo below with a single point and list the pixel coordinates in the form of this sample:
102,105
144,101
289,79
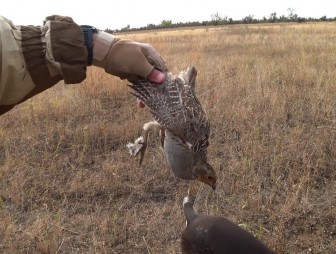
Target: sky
119,14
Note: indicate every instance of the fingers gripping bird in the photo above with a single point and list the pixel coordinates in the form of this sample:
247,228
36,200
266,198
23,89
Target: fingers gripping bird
182,124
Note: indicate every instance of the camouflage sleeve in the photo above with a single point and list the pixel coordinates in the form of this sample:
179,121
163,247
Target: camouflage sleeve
34,58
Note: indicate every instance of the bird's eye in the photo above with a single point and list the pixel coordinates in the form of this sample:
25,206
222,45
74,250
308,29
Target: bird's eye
209,177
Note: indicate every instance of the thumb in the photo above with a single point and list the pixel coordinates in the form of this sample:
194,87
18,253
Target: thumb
156,76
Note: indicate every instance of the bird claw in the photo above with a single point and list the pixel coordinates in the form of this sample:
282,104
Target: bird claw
139,147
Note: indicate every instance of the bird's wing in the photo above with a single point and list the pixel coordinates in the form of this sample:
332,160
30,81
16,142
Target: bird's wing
175,106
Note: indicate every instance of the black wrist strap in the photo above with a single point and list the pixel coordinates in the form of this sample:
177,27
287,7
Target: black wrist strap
88,31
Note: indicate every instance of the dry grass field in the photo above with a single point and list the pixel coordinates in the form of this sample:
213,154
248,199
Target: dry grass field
68,184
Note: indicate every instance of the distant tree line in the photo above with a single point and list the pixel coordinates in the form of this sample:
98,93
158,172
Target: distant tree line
219,20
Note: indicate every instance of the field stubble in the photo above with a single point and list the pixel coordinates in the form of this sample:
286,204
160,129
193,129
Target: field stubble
68,184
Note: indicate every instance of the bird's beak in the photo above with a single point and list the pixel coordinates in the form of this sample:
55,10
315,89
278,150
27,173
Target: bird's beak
211,182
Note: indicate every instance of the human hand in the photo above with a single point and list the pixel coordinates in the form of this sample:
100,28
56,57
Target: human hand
127,59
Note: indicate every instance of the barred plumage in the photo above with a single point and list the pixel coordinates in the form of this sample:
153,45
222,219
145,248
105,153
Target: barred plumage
185,129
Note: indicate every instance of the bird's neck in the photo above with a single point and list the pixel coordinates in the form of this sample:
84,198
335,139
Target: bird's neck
189,212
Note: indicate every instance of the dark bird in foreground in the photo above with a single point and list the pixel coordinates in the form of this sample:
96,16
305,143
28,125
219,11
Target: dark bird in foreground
206,234
181,123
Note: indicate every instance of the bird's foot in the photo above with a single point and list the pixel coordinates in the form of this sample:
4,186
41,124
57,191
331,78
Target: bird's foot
135,147
138,147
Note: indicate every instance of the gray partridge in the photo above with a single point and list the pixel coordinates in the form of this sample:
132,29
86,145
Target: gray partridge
206,234
182,124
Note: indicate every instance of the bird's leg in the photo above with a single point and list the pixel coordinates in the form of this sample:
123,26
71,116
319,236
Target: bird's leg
140,144
143,148
150,126
162,136
192,190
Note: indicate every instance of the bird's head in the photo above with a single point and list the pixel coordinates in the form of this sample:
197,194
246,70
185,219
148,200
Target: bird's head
208,176
204,172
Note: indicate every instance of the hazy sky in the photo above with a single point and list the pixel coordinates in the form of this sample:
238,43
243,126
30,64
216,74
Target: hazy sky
118,14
